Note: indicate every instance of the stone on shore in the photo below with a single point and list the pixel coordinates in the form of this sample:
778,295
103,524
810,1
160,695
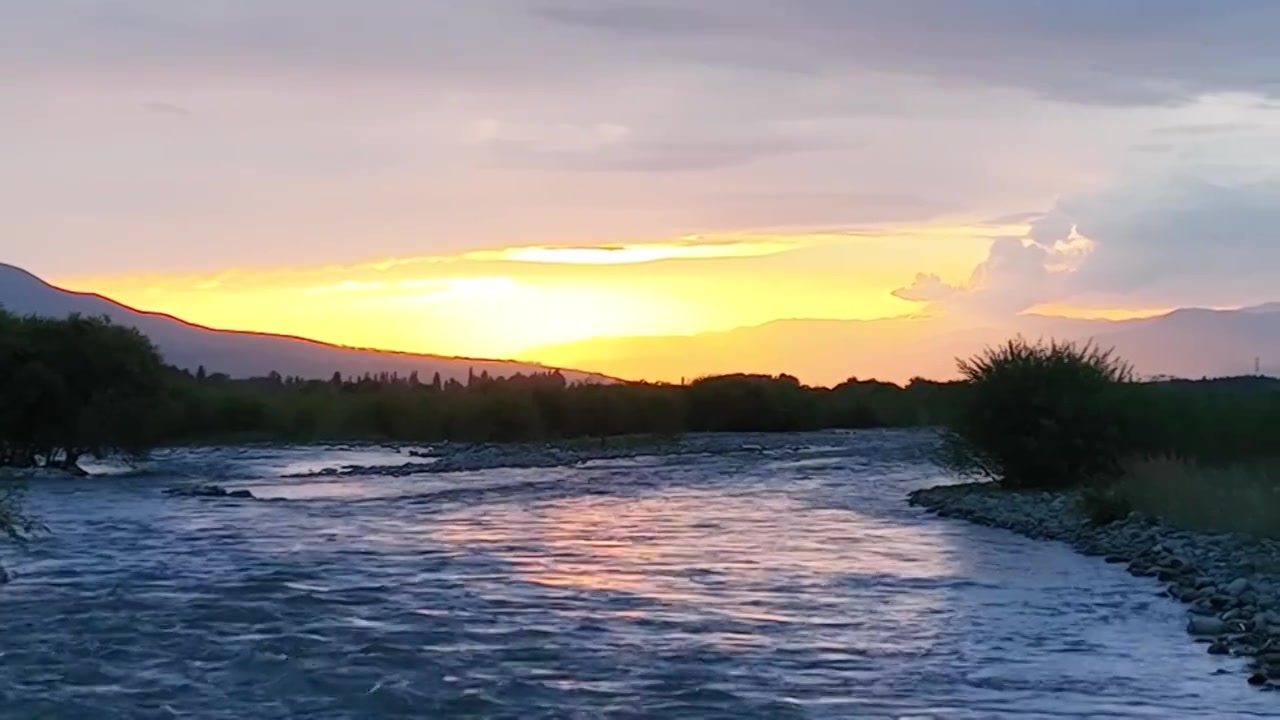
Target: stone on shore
208,490
1202,625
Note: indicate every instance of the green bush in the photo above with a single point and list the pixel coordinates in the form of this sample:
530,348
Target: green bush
1041,415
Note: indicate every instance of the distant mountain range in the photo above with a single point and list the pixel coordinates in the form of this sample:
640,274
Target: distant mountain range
1188,343
243,354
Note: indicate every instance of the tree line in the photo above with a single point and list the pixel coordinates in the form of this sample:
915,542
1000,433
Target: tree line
77,387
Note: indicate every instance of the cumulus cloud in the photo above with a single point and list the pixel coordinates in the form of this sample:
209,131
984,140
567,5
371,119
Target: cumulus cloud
1018,273
928,288
1185,240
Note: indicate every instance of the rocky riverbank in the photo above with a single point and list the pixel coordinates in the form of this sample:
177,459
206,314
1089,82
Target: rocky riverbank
1231,583
467,457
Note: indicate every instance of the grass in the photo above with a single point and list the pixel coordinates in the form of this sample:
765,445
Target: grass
1241,497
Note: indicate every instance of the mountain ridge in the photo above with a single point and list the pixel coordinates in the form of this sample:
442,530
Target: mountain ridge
1189,342
246,353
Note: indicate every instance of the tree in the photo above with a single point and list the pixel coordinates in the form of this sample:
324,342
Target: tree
75,387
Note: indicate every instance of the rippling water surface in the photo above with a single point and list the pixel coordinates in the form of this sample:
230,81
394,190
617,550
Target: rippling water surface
788,582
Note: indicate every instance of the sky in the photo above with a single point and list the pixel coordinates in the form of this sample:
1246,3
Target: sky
490,177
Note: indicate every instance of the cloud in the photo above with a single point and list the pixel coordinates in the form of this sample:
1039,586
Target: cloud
653,17
1092,51
611,147
1018,273
1089,51
406,128
928,288
166,108
635,253
1155,242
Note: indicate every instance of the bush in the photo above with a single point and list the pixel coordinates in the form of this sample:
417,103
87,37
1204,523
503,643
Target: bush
1041,415
1105,503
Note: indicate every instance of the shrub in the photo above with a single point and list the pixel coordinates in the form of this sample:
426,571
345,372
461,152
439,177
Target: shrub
1105,503
1040,415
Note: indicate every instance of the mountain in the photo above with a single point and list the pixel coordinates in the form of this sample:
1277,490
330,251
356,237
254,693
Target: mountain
244,354
1184,343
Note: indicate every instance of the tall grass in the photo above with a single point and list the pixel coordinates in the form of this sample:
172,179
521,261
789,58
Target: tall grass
1242,497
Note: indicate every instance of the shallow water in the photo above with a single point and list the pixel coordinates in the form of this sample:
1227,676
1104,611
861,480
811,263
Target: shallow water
789,583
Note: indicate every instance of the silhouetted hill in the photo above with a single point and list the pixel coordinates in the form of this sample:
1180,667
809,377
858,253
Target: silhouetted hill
242,354
1188,343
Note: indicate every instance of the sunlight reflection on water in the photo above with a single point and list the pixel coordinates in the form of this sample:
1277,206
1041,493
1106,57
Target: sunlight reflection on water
786,583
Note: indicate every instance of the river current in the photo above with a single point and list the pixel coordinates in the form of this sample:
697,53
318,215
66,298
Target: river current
781,577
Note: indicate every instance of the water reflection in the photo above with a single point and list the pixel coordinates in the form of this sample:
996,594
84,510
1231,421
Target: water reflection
787,585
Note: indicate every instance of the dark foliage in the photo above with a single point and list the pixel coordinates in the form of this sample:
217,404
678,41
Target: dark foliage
75,387
522,407
1044,414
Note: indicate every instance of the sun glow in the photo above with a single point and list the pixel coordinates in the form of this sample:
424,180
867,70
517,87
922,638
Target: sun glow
523,301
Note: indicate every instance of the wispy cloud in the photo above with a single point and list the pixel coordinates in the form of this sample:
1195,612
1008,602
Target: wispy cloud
166,108
628,254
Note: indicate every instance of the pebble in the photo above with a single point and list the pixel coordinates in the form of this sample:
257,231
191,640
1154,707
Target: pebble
208,490
466,457
1205,625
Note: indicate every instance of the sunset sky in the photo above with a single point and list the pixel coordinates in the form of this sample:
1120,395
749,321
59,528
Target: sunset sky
487,177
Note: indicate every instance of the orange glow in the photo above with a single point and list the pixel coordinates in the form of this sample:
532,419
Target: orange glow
1081,313
517,301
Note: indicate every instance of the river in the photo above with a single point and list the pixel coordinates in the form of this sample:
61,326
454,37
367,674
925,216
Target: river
786,580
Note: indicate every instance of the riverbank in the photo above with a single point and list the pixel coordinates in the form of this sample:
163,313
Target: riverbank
1230,582
470,457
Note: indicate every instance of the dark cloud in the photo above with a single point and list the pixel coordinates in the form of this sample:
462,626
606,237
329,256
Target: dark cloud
1091,51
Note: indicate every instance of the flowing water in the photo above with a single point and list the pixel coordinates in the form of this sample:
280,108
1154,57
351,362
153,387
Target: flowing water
789,581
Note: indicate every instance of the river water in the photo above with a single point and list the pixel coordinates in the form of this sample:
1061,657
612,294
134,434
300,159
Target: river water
786,580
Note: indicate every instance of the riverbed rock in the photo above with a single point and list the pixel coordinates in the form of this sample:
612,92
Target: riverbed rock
208,490
1205,625
1237,587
